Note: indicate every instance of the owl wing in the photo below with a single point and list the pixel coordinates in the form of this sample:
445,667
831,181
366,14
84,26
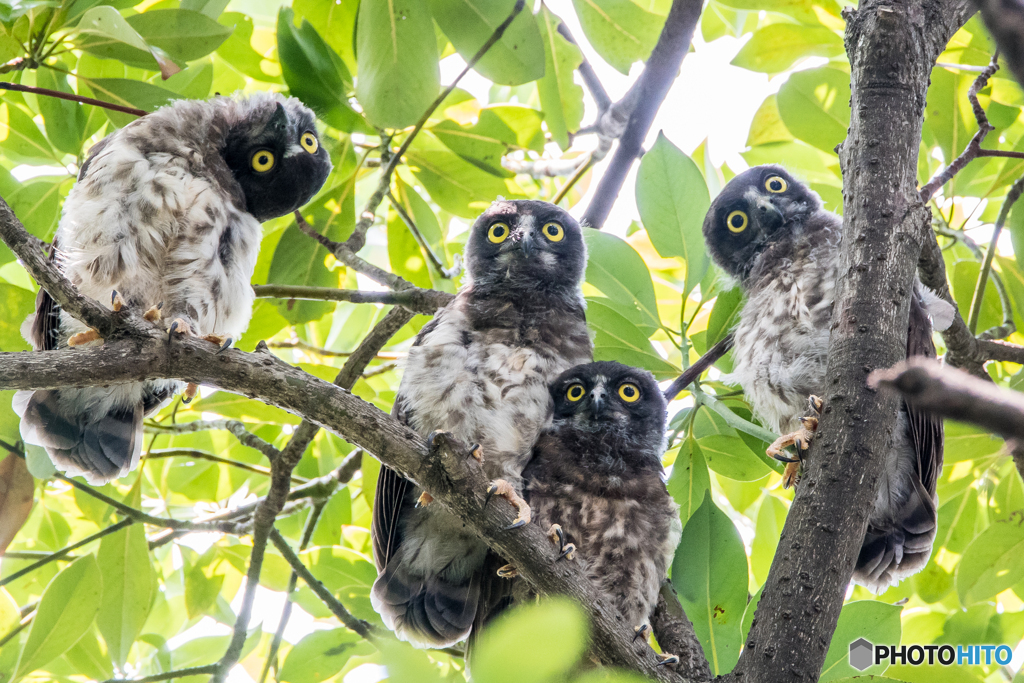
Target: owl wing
925,429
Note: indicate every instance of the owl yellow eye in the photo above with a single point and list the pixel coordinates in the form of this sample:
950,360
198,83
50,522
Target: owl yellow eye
776,184
263,161
629,392
575,392
737,221
554,232
309,142
498,233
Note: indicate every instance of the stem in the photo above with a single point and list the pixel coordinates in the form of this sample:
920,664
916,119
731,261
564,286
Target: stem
17,87
124,523
979,290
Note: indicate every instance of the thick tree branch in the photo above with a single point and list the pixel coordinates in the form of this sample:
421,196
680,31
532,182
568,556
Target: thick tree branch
675,634
892,48
425,301
650,91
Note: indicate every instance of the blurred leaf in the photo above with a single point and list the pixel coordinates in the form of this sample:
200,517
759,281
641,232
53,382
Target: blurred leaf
16,490
767,125
991,563
238,51
815,106
804,11
37,204
876,621
399,75
615,268
515,59
710,574
776,47
184,35
16,304
336,22
619,30
66,610
553,631
673,199
560,97
106,33
771,517
321,654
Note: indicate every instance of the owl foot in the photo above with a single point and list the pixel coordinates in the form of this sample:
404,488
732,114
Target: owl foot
508,571
191,389
424,500
221,340
84,338
641,632
801,439
180,326
116,302
477,452
557,536
666,659
508,492
153,314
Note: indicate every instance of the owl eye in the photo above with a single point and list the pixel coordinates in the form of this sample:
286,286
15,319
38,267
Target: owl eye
629,392
309,142
498,233
575,392
263,161
553,231
736,221
776,184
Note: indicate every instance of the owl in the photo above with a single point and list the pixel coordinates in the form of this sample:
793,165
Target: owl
769,231
595,480
165,216
479,370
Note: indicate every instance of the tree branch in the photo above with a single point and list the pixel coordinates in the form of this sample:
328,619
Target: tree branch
425,301
17,87
693,373
168,675
675,635
64,551
979,291
211,457
236,427
649,91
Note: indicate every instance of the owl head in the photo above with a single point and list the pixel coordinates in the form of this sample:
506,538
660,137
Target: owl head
618,408
273,151
760,206
525,245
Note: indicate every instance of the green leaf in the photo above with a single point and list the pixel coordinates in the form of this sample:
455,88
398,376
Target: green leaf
749,613
66,611
16,304
689,479
876,621
105,33
991,563
615,268
320,655
399,76
554,632
804,11
1015,224
346,573
184,35
619,30
37,204
710,574
515,59
129,93
767,126
724,315
238,51
21,138
616,338
731,457
473,145
64,120
771,517
129,584
336,22
673,199
815,106
404,253
560,97
314,72
776,47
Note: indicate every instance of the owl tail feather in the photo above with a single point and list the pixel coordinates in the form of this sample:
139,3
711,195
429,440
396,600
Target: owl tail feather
99,448
891,554
425,611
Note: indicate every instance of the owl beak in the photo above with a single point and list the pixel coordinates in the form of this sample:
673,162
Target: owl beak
526,244
771,217
598,403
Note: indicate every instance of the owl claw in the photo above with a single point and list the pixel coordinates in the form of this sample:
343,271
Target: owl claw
557,536
641,631
666,659
223,341
801,439
153,313
116,302
84,338
180,326
477,452
508,571
424,500
191,389
504,489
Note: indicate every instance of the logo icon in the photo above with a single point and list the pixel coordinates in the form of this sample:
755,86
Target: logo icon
861,654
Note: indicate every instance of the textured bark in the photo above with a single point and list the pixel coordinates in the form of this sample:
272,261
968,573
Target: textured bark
892,48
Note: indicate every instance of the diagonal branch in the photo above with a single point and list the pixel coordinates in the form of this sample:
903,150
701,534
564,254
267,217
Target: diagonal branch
693,373
425,301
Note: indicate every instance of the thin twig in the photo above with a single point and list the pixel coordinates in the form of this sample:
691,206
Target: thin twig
236,427
425,301
320,351
979,290
692,373
114,528
439,267
1007,327
211,457
17,87
168,675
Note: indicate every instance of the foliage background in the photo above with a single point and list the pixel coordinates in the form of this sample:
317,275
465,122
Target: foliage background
654,300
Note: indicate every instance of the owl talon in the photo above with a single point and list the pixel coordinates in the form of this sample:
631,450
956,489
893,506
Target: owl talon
640,632
504,489
557,536
801,439
191,389
424,500
223,341
666,659
84,338
436,438
116,302
477,452
179,326
508,571
791,475
153,313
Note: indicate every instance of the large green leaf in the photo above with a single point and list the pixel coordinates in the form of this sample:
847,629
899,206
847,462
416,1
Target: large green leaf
105,33
731,457
616,338
673,199
515,59
992,562
129,584
710,575
771,516
183,34
322,654
805,11
65,121
560,97
689,479
776,47
336,22
620,273
21,138
620,30
815,106
876,621
399,75
66,610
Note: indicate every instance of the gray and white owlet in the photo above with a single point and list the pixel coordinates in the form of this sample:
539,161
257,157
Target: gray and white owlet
166,212
596,474
769,231
480,370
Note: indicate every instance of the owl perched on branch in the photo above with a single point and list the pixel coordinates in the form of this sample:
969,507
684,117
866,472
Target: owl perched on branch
770,232
165,216
480,370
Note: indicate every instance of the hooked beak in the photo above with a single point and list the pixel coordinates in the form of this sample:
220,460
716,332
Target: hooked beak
769,214
526,244
598,403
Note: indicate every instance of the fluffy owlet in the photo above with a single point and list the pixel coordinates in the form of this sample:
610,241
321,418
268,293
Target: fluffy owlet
166,213
480,370
596,480
769,231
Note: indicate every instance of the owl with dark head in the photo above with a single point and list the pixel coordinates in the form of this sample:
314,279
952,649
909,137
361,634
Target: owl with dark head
479,370
596,481
768,231
165,217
